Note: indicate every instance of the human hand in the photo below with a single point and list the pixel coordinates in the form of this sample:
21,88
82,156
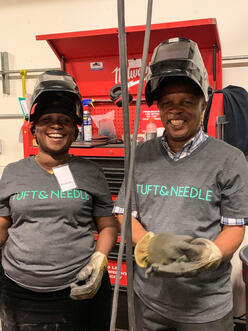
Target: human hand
163,248
92,275
205,255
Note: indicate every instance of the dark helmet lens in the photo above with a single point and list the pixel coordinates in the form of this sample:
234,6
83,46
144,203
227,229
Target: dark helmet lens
176,57
53,82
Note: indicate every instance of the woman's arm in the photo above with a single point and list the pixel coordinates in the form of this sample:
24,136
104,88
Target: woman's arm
107,233
5,223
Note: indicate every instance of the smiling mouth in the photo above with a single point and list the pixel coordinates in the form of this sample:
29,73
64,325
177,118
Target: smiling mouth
55,135
176,123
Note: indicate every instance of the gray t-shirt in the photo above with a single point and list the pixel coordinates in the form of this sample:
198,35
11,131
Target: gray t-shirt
51,237
189,197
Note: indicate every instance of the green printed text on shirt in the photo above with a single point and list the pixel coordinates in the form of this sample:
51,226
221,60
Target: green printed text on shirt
51,195
175,191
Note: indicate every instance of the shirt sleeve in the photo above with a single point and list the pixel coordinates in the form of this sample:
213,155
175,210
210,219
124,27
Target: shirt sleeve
233,221
4,195
234,189
120,202
102,200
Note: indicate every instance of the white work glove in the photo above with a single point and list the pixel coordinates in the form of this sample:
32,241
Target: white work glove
204,256
92,275
163,248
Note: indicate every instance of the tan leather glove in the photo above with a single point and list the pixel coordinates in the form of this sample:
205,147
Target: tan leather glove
205,255
163,248
92,275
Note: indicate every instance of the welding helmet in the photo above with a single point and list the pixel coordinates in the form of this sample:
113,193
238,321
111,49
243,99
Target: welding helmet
174,58
56,92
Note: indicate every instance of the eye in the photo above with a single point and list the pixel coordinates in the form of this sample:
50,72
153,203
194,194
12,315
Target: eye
44,120
188,102
165,104
65,121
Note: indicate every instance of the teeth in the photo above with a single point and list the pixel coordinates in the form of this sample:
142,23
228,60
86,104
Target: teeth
176,122
55,135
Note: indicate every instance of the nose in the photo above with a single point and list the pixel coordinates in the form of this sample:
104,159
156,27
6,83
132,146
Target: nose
175,109
56,123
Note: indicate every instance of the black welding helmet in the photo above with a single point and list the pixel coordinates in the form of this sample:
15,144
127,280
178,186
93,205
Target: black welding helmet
175,57
56,91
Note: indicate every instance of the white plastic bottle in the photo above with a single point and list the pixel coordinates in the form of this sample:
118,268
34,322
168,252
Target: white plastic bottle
87,126
151,129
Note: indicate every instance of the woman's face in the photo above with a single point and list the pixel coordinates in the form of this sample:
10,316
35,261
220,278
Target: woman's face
55,133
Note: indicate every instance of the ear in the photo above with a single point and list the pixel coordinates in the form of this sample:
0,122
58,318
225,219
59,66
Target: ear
204,105
76,132
32,129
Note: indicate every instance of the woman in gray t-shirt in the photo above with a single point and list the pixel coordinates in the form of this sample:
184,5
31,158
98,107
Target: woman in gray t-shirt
54,271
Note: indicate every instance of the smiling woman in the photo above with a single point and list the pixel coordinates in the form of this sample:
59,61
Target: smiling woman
46,210
54,134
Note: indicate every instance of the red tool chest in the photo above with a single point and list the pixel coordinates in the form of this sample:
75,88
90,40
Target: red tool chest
92,58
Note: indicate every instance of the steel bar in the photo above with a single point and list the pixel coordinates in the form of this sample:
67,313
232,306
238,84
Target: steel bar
17,71
125,113
232,58
5,67
9,116
9,72
126,224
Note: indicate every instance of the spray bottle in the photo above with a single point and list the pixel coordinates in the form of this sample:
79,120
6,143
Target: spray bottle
151,129
87,125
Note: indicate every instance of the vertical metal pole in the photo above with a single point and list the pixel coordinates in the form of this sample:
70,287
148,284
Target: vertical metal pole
126,225
127,233
5,76
125,114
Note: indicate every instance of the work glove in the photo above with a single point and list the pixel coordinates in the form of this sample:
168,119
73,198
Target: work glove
163,248
204,256
92,275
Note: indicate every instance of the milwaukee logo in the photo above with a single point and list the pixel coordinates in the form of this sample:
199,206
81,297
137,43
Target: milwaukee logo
133,75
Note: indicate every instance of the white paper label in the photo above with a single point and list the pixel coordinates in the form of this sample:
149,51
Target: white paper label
134,63
64,177
96,65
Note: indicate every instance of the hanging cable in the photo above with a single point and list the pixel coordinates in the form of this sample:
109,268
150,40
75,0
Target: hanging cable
126,224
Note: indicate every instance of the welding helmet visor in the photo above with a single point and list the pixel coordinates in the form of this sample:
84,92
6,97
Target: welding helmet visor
56,90
175,57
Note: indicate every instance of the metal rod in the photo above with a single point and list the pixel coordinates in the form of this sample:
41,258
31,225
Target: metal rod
9,72
224,58
111,101
5,77
130,182
238,57
125,113
9,116
17,71
126,223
